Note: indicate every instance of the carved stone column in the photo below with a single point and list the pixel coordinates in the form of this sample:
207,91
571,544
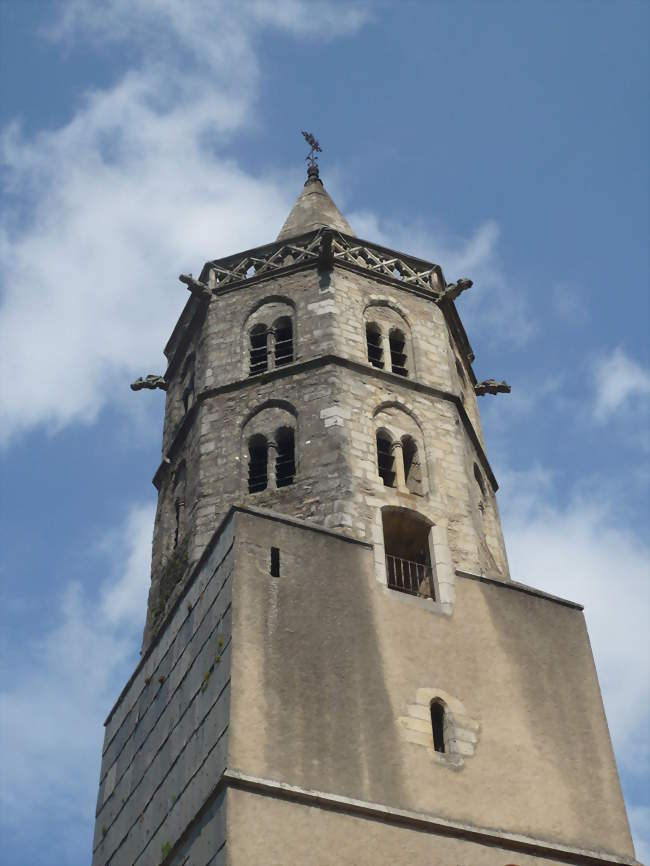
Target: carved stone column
270,464
398,466
386,355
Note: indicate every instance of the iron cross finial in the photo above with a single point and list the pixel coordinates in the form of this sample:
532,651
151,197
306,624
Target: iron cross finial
315,148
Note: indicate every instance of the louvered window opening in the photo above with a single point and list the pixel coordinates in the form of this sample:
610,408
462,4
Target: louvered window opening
283,344
258,353
385,461
375,352
398,354
285,463
414,578
257,468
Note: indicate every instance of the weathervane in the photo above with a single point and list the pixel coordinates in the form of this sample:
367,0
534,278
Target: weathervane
311,158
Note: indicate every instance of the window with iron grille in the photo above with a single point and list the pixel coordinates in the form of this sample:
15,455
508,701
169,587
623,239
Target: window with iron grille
258,352
397,342
258,453
285,463
283,330
373,342
385,459
406,546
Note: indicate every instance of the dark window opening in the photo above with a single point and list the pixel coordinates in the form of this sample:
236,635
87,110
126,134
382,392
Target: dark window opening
258,355
406,545
385,460
438,725
258,451
375,351
412,467
285,463
188,395
275,562
397,342
283,342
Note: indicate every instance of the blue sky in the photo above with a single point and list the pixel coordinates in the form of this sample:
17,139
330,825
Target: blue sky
506,141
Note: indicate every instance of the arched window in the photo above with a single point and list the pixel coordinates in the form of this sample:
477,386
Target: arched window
438,725
397,342
406,546
385,459
412,467
285,462
479,479
283,331
373,342
258,453
258,353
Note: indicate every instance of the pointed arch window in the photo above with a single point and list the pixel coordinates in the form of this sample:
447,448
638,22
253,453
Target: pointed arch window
438,725
397,342
385,459
258,352
283,333
285,462
374,345
258,456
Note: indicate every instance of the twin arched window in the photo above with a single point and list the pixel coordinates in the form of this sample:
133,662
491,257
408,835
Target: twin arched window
398,462
270,347
271,461
391,350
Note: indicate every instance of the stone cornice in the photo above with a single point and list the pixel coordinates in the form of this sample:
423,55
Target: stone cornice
367,370
519,587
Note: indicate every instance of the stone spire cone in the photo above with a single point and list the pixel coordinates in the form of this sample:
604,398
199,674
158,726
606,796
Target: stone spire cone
314,209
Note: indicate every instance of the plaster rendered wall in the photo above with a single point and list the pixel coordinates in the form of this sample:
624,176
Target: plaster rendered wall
322,838
328,667
335,407
166,738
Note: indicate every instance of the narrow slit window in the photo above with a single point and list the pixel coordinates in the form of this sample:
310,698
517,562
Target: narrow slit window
385,460
438,725
283,329
373,341
259,361
285,463
275,562
258,452
398,363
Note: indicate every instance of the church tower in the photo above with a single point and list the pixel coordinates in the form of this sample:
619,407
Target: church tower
337,666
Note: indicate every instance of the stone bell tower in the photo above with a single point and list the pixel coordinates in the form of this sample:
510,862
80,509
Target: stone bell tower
338,667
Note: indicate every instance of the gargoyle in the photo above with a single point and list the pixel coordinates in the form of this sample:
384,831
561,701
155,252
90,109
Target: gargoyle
452,290
198,289
150,383
491,386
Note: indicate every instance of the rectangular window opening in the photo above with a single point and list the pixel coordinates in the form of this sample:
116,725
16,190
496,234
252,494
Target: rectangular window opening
275,562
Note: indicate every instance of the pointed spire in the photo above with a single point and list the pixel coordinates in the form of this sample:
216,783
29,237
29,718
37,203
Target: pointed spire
314,209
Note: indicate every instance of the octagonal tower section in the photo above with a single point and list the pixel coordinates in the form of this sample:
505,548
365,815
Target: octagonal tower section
330,379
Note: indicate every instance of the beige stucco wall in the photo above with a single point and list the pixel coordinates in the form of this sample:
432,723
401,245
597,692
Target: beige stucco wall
271,832
327,661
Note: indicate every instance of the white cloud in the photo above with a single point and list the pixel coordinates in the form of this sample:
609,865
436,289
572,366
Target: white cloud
493,309
57,693
618,380
583,552
108,209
